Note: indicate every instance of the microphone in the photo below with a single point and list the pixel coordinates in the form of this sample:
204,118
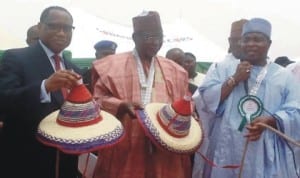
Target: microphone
246,86
245,81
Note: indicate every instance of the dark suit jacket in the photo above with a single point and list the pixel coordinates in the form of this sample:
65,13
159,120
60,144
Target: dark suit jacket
87,78
21,74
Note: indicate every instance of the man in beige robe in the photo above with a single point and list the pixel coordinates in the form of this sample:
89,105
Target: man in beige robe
127,81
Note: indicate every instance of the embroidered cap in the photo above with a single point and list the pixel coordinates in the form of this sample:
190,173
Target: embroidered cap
147,20
237,27
257,25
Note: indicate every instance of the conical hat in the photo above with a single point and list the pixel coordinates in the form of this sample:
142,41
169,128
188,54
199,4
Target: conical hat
80,126
171,126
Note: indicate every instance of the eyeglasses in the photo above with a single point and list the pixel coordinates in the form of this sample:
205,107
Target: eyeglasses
57,27
150,36
255,37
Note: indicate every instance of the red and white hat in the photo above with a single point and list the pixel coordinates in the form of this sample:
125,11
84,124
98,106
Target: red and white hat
80,126
172,126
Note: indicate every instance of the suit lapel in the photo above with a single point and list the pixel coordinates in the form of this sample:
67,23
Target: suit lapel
46,70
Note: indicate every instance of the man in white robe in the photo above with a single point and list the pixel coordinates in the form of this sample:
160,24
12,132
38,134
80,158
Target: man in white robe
295,69
234,53
268,155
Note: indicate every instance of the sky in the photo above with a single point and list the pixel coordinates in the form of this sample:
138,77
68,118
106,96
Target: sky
210,18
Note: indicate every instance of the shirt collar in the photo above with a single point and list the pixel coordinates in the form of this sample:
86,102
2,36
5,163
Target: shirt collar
48,51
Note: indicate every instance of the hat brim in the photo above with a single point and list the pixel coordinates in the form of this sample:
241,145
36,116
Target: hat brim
78,140
184,145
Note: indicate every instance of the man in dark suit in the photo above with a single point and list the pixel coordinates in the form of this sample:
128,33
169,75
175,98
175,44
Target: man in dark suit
33,84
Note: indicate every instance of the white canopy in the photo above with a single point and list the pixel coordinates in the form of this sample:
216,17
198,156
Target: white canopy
90,29
211,19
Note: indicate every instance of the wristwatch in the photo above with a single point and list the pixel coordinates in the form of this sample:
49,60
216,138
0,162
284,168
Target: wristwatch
231,82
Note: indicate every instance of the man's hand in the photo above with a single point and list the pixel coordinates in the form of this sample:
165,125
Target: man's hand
128,108
242,72
61,79
256,130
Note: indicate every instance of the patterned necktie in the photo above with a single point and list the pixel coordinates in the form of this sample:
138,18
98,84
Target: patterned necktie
57,60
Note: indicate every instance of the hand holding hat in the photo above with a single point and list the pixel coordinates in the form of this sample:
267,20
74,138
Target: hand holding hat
80,126
62,79
128,108
172,126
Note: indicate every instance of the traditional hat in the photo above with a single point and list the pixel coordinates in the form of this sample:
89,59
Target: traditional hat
237,27
147,20
80,126
105,45
172,126
257,25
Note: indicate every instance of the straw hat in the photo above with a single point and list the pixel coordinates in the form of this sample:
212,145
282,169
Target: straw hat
79,126
171,126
